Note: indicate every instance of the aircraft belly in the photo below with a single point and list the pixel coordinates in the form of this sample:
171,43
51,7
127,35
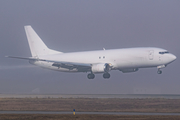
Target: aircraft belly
124,64
133,62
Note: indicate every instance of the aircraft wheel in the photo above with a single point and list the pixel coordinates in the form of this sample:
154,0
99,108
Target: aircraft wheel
90,76
159,72
106,75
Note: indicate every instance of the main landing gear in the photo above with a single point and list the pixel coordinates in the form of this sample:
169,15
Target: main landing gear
106,75
92,76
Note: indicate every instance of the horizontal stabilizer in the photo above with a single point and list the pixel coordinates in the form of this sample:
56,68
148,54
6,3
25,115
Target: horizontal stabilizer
25,58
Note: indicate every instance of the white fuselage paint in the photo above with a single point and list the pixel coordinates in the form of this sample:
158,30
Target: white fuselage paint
120,59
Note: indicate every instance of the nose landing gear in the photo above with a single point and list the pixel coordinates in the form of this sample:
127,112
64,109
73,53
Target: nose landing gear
159,71
159,68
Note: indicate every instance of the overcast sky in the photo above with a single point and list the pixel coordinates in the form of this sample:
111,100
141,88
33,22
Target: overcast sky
82,25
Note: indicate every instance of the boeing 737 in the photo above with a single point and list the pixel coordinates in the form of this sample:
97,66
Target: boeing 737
93,62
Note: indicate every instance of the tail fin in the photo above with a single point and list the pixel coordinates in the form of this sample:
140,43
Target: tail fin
36,45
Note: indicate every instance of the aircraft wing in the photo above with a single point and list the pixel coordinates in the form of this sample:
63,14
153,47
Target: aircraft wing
81,67
70,66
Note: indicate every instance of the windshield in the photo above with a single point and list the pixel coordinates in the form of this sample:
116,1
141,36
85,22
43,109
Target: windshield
165,52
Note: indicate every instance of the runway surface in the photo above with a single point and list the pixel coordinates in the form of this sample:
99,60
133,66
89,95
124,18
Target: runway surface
97,113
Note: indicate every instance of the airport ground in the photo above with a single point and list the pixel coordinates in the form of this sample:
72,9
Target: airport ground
150,105
84,117
91,104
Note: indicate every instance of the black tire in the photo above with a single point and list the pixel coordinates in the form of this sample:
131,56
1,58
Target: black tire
90,76
106,75
159,72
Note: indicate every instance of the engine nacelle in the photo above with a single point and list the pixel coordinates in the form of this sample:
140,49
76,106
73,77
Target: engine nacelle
101,68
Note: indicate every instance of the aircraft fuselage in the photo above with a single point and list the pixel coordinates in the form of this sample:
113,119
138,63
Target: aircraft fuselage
120,59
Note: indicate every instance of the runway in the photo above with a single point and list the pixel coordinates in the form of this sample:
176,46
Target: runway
90,113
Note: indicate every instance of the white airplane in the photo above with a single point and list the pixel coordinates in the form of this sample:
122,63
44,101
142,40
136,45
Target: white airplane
93,62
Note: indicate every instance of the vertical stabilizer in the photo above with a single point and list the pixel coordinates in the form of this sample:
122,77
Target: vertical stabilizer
36,45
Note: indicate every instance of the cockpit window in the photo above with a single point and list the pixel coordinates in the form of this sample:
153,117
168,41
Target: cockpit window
163,52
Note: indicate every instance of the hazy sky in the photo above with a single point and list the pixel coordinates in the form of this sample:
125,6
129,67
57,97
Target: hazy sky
82,25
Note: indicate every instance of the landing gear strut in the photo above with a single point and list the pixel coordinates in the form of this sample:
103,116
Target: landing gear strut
159,71
159,68
91,76
106,75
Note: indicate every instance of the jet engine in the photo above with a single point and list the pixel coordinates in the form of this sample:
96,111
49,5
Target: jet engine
101,68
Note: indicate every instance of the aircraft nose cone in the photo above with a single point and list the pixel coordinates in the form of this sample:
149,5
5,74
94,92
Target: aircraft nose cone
173,57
